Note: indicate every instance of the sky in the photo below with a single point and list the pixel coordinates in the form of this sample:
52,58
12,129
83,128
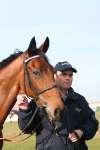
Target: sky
73,28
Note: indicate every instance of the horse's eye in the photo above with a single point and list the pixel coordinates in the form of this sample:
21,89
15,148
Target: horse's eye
36,72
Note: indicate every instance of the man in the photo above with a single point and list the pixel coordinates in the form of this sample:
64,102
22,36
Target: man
77,123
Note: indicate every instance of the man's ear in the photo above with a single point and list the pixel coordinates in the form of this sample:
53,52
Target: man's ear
58,73
55,76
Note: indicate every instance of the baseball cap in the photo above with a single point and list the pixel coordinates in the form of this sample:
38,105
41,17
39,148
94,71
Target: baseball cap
64,66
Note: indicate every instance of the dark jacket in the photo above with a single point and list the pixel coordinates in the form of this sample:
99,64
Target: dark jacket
76,115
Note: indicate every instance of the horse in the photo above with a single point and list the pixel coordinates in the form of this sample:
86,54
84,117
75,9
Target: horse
31,73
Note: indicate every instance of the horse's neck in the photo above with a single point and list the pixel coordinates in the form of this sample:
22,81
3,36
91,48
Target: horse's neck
11,70
7,104
9,87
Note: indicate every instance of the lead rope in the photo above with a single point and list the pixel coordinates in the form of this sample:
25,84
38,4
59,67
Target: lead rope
14,138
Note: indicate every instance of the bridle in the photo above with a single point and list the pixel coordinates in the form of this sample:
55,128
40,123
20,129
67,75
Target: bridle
36,97
37,94
27,79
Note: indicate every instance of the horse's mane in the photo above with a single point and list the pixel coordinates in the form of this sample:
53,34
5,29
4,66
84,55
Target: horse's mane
16,54
8,60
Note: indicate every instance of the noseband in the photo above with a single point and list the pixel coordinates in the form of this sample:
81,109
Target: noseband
27,78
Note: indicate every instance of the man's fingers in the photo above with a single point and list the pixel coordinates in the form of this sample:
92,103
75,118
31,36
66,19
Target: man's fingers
72,137
21,96
22,102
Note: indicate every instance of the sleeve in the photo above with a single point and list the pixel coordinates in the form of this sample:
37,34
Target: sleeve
90,125
25,116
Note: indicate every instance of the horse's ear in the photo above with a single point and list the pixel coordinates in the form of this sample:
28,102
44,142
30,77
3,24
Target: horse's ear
32,46
44,47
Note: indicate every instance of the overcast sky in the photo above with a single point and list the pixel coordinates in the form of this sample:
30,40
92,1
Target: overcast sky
73,28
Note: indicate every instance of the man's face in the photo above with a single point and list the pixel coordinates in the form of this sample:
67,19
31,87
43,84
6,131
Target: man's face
64,79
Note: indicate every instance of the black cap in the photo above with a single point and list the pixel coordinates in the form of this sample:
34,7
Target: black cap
64,66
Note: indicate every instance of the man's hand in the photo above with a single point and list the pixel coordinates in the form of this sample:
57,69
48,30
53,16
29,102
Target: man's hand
73,137
22,101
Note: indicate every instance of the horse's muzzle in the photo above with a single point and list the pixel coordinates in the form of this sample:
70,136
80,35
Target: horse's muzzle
57,114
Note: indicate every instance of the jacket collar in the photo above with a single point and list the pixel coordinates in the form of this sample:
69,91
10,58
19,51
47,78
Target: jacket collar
71,94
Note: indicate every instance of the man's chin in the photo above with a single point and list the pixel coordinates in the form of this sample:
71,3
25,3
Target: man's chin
67,87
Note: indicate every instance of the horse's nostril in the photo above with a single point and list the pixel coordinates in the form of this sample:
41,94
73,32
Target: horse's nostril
57,113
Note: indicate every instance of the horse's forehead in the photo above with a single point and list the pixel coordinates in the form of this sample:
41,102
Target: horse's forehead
40,62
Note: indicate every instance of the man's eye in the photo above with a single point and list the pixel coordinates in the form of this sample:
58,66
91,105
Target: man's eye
65,74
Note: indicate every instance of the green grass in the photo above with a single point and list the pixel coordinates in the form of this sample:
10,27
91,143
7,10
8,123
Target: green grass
11,129
94,144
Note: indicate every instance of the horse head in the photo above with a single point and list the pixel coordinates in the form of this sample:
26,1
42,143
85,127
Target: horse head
39,80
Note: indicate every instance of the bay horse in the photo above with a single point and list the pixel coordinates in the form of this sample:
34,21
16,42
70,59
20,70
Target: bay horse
28,72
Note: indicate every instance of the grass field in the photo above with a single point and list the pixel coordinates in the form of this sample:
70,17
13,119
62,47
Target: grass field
11,129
